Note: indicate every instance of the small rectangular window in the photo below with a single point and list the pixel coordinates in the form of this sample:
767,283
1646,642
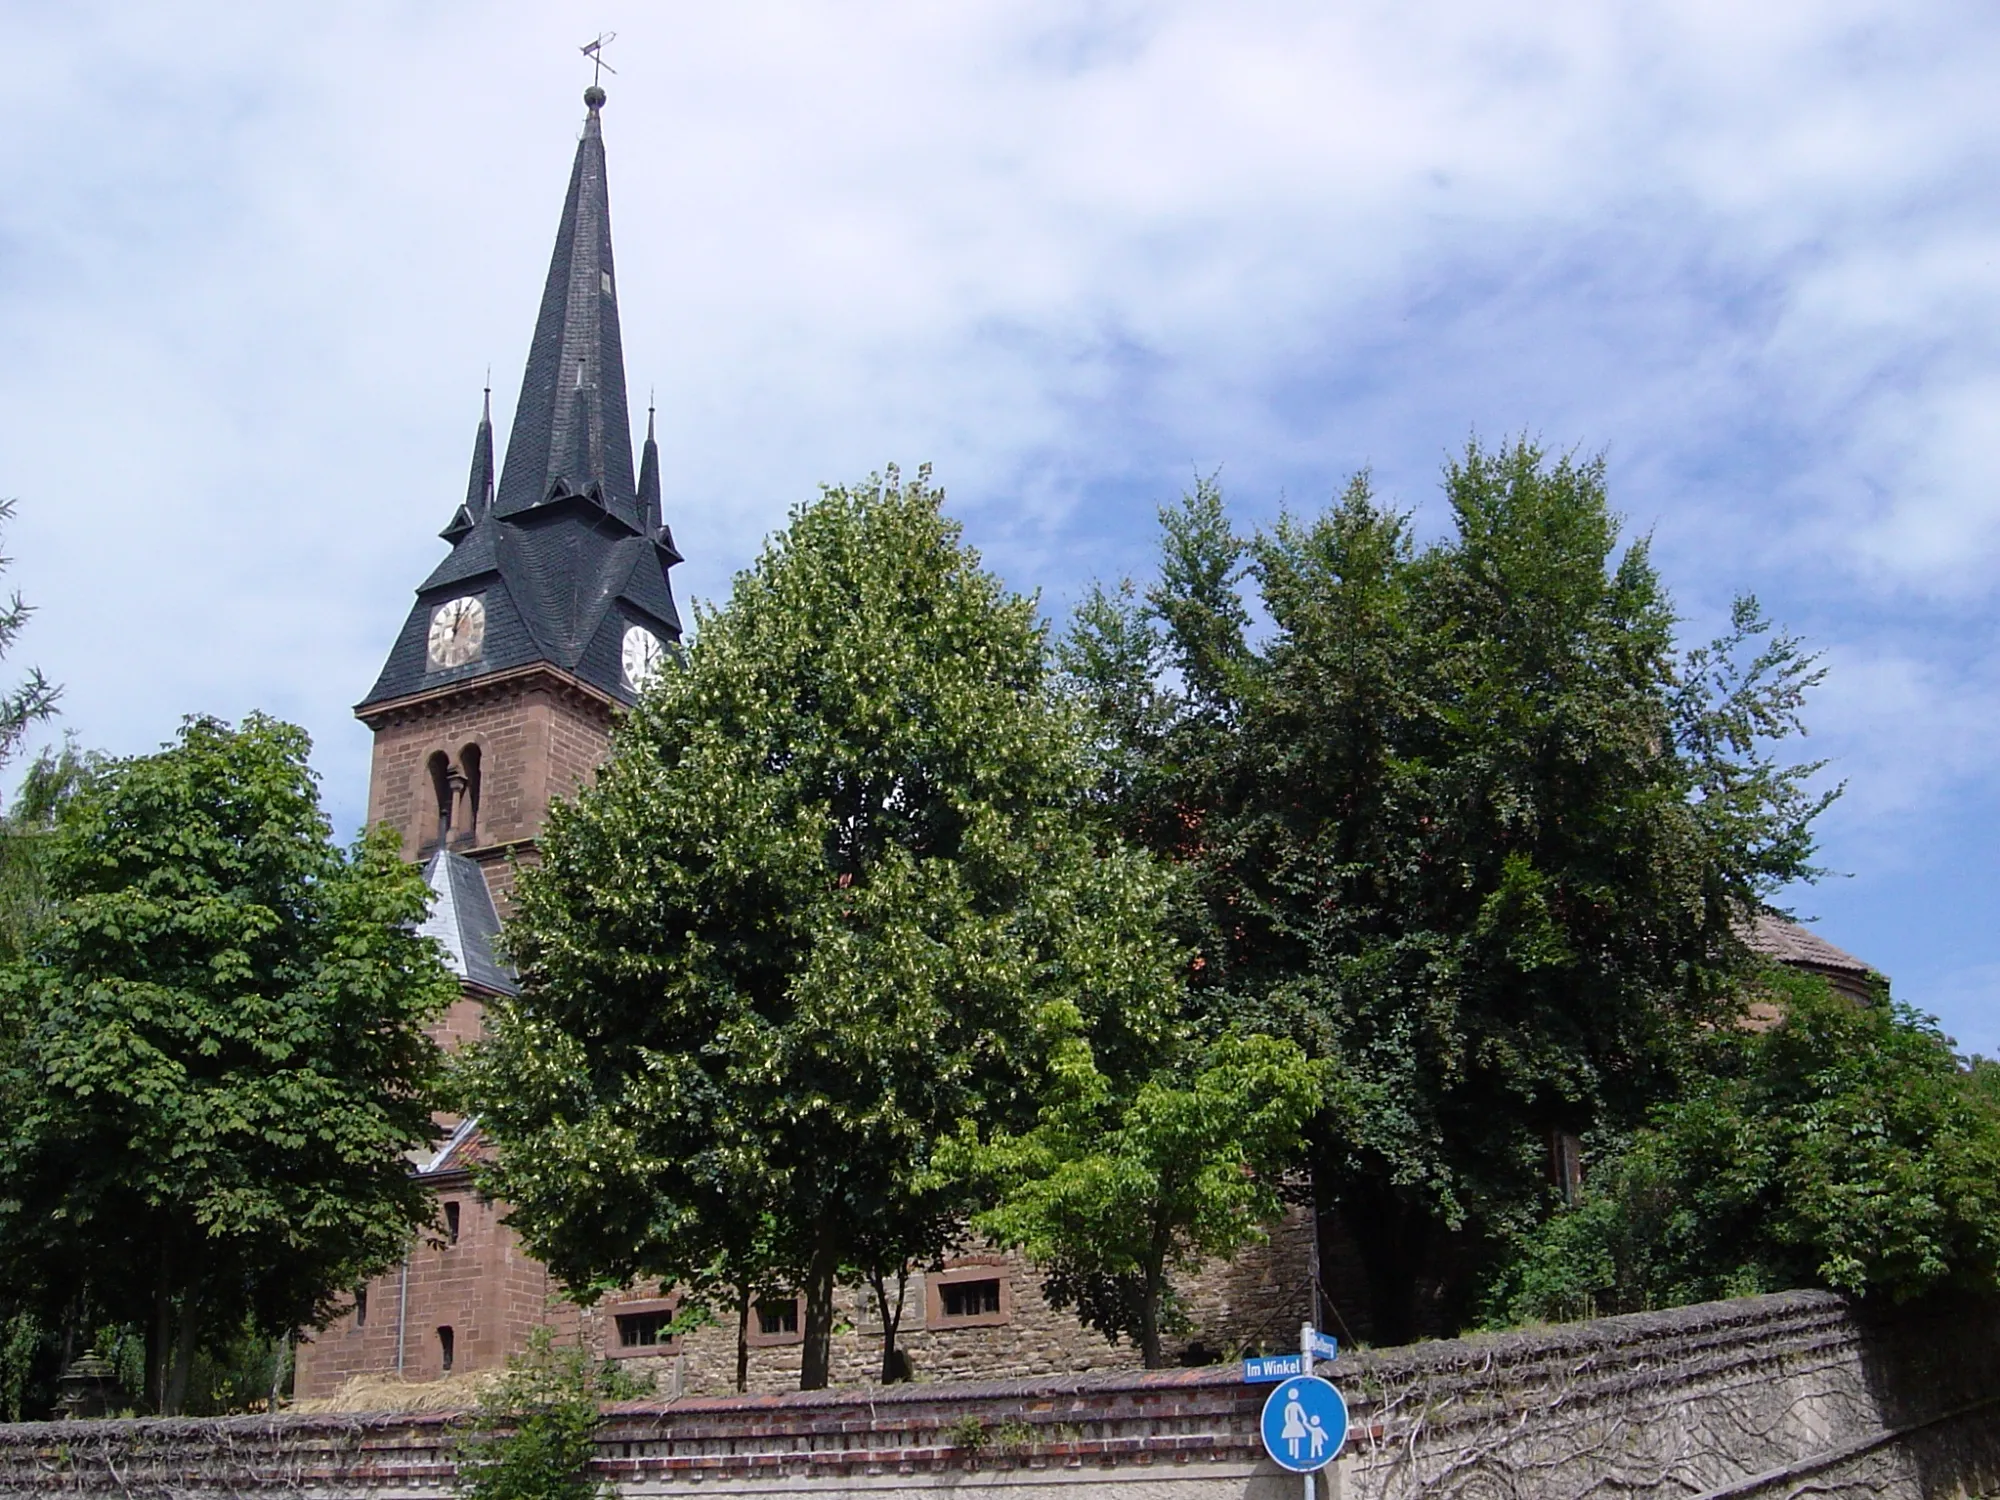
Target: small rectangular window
447,1350
451,1223
646,1330
361,1307
970,1299
776,1318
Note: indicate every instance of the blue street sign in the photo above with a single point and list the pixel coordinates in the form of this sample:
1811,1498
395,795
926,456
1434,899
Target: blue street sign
1273,1367
1320,1346
1305,1422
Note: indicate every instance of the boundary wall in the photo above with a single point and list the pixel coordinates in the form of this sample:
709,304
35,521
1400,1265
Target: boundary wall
1789,1395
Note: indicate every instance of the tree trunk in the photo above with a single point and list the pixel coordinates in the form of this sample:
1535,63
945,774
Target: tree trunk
742,1342
892,1370
160,1337
187,1327
816,1358
1149,1311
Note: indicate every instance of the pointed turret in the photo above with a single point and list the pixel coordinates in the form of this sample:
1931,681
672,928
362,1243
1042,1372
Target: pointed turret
571,427
649,479
479,486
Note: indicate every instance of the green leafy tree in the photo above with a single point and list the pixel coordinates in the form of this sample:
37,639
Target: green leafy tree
216,1054
827,902
1111,1196
533,1436
1845,1147
1464,823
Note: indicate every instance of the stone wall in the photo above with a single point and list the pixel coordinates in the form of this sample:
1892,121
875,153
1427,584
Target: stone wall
1787,1395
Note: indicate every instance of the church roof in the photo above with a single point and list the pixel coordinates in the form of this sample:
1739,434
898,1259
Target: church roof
463,920
568,550
1787,942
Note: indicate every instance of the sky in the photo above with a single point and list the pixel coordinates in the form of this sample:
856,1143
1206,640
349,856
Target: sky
256,262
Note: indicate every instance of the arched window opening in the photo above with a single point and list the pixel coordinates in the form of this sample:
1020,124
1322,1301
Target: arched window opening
467,822
440,769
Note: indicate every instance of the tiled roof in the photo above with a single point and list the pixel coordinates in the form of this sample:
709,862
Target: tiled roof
1774,937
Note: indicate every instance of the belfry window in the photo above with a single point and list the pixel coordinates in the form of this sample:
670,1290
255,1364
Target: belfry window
467,820
440,769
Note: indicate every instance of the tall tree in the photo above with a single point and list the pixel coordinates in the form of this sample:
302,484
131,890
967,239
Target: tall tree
1464,823
827,903
218,1055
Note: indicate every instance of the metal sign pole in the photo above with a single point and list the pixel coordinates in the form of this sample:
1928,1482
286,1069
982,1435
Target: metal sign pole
1306,1365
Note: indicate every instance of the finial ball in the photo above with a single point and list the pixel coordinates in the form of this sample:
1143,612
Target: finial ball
594,97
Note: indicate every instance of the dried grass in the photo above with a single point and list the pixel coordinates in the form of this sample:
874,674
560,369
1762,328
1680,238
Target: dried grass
393,1393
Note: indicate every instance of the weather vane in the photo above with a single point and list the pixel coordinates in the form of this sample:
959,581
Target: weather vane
595,52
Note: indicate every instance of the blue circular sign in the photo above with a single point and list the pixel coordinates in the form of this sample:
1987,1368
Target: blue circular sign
1305,1422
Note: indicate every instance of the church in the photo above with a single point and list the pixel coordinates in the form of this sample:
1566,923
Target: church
541,624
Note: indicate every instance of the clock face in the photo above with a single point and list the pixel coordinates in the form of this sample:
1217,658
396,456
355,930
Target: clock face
643,656
458,631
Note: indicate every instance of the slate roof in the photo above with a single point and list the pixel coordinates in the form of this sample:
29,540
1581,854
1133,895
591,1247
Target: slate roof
567,550
463,920
1774,937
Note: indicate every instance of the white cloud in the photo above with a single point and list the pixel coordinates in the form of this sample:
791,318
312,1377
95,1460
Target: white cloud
254,262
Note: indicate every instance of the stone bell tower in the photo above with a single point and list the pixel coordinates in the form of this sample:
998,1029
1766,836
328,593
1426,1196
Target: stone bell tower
553,603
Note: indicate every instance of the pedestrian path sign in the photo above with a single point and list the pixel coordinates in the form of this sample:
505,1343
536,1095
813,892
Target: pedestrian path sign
1305,1422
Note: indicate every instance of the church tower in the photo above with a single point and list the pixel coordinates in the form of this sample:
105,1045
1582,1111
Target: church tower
553,604
547,615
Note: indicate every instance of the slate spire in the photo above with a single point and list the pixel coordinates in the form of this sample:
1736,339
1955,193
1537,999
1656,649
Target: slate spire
572,432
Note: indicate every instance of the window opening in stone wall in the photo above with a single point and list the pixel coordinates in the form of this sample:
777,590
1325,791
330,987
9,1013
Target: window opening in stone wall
970,1299
361,1307
447,1340
451,1223
646,1330
468,819
775,1318
440,769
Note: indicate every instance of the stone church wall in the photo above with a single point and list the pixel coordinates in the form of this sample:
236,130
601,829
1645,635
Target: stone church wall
1788,1395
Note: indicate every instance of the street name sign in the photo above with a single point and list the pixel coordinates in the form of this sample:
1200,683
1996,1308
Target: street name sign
1273,1367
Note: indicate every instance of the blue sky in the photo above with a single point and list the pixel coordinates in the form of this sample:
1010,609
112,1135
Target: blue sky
255,261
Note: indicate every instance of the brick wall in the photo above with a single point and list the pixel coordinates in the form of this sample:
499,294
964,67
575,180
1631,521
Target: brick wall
540,736
483,1287
1769,1396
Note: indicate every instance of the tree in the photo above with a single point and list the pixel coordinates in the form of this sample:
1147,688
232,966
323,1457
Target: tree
827,903
1464,824
217,1056
1845,1147
1111,1195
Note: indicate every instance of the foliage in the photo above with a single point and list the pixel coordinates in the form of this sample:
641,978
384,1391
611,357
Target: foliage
531,1437
1463,823
35,699
1109,1195
827,904
52,778
214,1052
1845,1148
